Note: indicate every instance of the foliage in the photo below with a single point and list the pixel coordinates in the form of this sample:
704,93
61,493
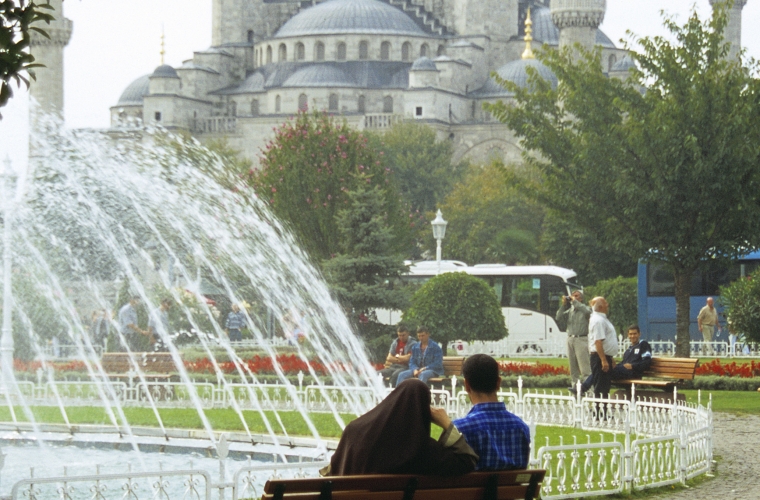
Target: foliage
741,302
16,26
490,220
421,164
668,174
621,294
718,383
306,173
732,369
457,306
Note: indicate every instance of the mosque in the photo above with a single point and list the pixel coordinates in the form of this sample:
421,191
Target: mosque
373,63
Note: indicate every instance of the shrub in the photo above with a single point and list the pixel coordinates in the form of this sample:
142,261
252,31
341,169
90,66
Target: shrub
457,306
741,302
622,296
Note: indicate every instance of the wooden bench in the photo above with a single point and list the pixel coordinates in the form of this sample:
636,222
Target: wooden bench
492,485
156,366
664,373
452,365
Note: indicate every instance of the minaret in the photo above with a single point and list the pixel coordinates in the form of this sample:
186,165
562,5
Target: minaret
47,89
577,21
733,32
528,52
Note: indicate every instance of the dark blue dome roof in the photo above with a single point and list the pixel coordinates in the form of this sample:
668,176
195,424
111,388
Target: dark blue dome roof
165,71
350,16
424,64
135,92
516,72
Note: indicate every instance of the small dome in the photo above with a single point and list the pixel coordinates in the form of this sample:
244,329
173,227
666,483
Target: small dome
350,16
164,71
135,91
625,64
516,72
424,64
545,31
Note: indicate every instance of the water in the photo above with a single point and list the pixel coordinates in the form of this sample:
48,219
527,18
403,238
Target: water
159,217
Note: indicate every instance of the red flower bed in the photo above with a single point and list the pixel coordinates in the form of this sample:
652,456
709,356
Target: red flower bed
289,363
733,369
32,366
531,369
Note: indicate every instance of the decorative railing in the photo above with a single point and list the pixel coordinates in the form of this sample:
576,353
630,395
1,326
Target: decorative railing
215,125
381,120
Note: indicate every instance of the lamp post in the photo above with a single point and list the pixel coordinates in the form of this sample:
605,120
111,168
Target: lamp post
7,180
439,232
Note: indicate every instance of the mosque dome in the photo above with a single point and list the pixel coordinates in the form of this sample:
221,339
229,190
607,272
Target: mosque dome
545,31
625,64
165,71
424,64
516,72
350,16
135,91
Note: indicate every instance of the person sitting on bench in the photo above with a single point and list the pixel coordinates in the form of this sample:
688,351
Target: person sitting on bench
394,438
636,360
500,438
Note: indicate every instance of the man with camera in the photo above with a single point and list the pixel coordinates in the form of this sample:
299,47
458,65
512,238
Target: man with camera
575,314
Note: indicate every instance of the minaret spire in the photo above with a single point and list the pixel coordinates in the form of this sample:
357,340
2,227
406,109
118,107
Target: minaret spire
528,52
163,51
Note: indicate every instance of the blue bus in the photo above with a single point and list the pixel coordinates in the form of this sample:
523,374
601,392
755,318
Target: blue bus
657,302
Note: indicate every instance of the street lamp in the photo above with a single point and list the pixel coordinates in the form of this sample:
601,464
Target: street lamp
7,181
439,232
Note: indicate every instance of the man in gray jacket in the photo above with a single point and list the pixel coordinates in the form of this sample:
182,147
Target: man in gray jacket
575,314
397,360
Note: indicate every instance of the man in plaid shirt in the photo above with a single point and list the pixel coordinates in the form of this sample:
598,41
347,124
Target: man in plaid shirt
500,438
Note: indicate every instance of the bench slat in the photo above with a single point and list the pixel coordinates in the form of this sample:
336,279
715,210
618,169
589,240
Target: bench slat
502,493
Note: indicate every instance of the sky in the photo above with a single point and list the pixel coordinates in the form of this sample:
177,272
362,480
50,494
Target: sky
116,41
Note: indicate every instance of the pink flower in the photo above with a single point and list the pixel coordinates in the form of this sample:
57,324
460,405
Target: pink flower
274,189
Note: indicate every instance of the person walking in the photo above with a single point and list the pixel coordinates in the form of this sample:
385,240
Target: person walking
707,321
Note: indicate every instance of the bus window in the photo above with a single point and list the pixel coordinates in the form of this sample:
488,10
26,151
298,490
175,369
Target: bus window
552,291
498,287
526,293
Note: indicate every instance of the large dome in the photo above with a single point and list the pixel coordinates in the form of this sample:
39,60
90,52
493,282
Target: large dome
516,72
350,16
135,91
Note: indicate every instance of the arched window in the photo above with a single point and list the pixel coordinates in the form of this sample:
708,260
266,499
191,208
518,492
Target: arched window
361,107
341,51
319,51
441,50
233,108
612,60
406,50
363,50
269,54
303,102
255,107
385,51
387,104
250,36
333,105
277,102
300,52
424,50
283,53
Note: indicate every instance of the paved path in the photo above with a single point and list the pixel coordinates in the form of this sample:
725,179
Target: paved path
737,441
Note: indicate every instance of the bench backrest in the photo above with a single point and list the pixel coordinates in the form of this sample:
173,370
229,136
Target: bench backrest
452,365
493,485
155,362
677,368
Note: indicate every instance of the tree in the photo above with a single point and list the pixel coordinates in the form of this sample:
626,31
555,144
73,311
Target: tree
16,24
669,173
363,274
623,299
741,300
307,172
457,306
491,221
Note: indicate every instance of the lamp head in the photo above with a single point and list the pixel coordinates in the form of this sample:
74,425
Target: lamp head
439,226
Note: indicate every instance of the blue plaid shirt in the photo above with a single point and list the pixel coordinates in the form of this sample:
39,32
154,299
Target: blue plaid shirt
501,439
235,320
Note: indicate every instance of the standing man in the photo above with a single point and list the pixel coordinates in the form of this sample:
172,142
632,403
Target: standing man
160,316
602,346
500,438
235,322
426,361
576,315
707,320
399,355
128,324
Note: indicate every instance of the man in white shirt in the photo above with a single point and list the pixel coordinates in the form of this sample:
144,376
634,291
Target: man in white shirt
602,346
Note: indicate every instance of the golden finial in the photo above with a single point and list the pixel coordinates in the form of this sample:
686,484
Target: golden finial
162,45
528,52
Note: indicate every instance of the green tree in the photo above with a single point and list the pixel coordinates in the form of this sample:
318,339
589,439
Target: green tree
457,306
16,24
490,220
741,302
669,173
621,293
306,173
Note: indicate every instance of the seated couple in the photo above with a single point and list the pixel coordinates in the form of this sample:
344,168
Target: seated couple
410,358
394,437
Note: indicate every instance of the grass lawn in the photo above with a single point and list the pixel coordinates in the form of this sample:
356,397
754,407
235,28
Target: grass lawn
738,402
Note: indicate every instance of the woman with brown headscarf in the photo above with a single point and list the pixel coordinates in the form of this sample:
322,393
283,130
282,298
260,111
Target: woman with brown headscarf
394,438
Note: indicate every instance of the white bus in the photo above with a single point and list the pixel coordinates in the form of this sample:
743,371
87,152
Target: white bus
529,298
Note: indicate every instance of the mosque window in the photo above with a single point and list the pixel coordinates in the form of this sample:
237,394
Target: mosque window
269,54
441,50
255,107
612,60
363,50
277,102
283,53
424,50
300,52
387,104
319,51
250,36
362,107
406,49
303,102
385,51
233,108
157,116
341,51
333,104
